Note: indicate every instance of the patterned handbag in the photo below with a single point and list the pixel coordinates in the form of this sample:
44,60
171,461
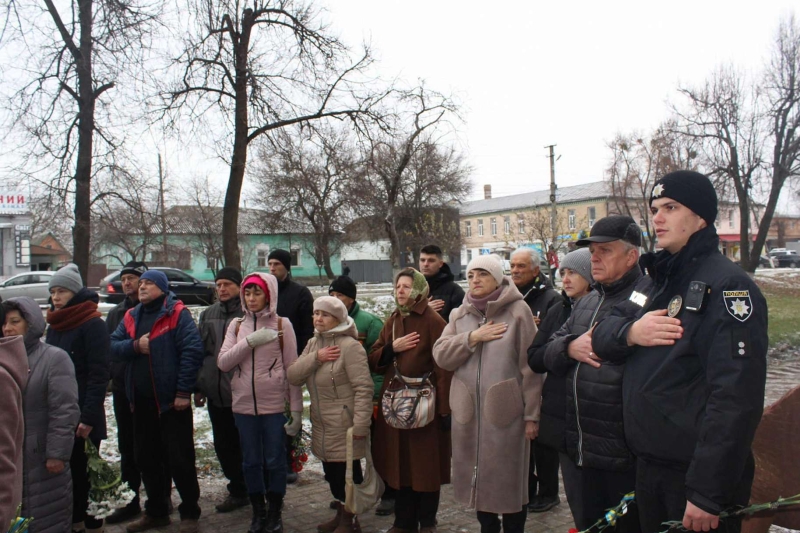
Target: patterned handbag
409,403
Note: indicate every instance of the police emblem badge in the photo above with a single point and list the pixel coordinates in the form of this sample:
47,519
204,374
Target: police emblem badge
674,306
738,304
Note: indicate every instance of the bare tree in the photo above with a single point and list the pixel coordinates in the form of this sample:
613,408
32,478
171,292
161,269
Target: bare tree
638,161
269,66
537,226
204,215
391,162
68,63
310,174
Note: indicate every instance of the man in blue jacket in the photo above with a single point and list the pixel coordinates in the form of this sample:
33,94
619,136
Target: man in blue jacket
161,342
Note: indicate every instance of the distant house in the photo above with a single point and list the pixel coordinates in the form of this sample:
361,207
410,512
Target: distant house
194,243
47,253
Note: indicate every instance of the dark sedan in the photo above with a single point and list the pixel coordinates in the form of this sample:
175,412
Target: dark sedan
188,289
791,260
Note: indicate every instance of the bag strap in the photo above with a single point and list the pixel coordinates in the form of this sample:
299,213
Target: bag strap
280,331
348,475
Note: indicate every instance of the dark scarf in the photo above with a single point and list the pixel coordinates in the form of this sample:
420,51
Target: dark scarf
481,303
73,316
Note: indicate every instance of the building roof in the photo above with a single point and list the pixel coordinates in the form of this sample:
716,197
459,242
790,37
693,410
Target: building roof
575,193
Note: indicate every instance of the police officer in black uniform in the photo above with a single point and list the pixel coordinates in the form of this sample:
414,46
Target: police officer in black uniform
695,343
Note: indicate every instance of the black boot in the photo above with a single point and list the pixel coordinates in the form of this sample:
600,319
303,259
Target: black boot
274,522
259,522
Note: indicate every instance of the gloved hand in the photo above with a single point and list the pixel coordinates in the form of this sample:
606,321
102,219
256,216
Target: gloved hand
293,426
261,336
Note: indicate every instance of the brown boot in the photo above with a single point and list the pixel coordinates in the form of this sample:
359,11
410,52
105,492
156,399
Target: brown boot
331,525
189,525
349,523
147,522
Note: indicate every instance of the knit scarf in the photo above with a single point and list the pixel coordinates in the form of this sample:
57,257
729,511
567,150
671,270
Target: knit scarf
71,317
481,303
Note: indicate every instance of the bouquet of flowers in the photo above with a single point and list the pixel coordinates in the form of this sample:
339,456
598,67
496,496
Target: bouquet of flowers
19,524
299,452
107,492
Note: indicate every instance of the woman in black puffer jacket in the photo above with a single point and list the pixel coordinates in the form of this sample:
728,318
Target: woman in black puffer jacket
576,274
77,328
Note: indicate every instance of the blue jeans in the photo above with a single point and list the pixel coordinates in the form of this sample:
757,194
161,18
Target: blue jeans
263,448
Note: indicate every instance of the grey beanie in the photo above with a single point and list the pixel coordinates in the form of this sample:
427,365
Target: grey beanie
579,261
68,277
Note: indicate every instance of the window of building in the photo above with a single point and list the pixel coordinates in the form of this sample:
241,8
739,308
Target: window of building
469,255
262,258
295,257
174,258
591,213
480,227
571,214
521,223
493,222
468,228
730,218
507,225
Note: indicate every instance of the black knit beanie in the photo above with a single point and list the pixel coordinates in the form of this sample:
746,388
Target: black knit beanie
344,285
692,189
230,274
283,256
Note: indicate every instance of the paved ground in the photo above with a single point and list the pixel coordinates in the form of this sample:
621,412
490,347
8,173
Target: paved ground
307,502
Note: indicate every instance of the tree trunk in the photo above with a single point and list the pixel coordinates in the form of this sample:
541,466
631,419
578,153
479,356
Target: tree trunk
81,232
394,241
233,193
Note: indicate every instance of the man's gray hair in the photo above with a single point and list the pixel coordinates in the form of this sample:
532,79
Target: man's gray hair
531,252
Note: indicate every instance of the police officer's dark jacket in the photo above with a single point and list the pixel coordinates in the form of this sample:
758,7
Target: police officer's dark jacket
595,437
695,406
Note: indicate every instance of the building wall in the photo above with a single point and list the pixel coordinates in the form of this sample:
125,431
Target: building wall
523,227
254,252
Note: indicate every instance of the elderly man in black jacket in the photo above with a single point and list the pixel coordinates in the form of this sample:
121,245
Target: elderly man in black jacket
445,293
598,468
538,292
695,365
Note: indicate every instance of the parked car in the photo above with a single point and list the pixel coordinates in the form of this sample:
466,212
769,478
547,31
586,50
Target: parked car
188,289
780,251
790,260
766,262
32,284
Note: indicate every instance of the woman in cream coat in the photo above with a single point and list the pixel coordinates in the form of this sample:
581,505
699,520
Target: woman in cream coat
494,396
334,368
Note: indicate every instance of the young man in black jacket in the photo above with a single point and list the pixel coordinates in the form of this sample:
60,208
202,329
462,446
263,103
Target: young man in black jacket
445,293
598,468
296,304
695,365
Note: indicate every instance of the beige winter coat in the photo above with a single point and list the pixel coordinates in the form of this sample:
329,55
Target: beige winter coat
341,392
492,395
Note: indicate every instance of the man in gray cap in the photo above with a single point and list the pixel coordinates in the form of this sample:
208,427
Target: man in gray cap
598,469
695,365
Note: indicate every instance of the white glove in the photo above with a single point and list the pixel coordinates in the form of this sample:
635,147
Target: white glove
261,336
293,427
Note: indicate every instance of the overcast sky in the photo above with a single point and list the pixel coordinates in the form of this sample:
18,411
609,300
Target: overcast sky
573,74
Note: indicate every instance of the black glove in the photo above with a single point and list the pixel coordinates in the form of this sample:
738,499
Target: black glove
445,422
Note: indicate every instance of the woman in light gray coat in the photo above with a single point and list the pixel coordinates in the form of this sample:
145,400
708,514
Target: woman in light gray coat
51,417
494,396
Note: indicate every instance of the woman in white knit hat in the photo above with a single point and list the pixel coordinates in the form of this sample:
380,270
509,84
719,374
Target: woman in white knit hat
494,396
334,368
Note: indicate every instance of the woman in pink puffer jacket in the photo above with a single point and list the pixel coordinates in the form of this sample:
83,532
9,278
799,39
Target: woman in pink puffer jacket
259,350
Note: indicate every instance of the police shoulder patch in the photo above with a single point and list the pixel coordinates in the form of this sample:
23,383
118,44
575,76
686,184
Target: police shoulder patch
738,304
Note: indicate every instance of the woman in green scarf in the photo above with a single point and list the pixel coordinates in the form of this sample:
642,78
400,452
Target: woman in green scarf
415,462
